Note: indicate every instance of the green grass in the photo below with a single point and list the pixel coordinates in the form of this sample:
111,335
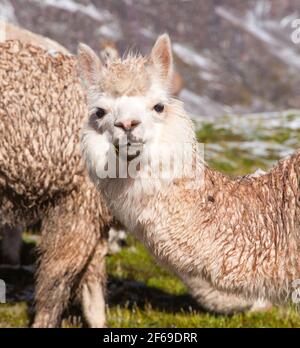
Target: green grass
14,315
149,296
241,145
141,293
135,317
134,263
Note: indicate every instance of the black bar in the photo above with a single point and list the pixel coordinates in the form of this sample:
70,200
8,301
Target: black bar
87,338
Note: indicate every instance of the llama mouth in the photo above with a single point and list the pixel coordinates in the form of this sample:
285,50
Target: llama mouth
129,151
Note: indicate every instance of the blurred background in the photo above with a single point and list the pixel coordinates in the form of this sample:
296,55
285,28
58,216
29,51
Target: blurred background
235,56
240,80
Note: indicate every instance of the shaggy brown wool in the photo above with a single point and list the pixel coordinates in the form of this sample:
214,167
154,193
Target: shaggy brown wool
42,178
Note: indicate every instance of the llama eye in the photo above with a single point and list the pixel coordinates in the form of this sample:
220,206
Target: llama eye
159,107
100,112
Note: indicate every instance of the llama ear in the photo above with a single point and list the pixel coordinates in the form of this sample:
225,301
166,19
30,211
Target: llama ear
162,57
89,65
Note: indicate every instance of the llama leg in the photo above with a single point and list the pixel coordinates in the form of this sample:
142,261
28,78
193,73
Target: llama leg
69,239
261,305
93,286
220,302
11,244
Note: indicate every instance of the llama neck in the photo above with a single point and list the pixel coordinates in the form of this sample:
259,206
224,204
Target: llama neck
241,234
248,230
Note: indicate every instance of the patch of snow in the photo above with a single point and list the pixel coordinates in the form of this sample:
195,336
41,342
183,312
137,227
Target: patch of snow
89,10
190,96
111,30
258,172
262,8
255,26
287,20
267,120
207,76
262,149
148,33
249,24
189,56
200,105
249,126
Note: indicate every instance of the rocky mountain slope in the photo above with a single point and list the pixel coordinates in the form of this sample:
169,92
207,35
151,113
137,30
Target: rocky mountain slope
235,56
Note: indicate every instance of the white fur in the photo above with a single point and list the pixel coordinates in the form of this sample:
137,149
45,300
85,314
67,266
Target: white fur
175,222
94,304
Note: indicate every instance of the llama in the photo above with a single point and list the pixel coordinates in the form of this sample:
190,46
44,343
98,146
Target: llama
12,237
211,300
42,179
239,235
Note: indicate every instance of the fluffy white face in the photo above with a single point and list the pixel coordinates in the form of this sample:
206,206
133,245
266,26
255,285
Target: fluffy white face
128,123
131,114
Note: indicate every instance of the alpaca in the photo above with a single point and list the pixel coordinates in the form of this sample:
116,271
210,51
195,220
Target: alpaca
209,299
43,179
241,236
12,236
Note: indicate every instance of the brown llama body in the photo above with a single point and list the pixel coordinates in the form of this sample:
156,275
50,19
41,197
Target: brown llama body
42,179
240,235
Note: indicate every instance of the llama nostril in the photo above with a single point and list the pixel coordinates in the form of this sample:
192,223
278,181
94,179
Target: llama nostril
135,123
127,124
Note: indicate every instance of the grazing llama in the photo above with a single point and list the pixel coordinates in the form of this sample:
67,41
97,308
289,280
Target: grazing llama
240,235
42,179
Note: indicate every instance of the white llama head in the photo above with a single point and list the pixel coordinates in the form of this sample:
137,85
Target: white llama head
131,112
